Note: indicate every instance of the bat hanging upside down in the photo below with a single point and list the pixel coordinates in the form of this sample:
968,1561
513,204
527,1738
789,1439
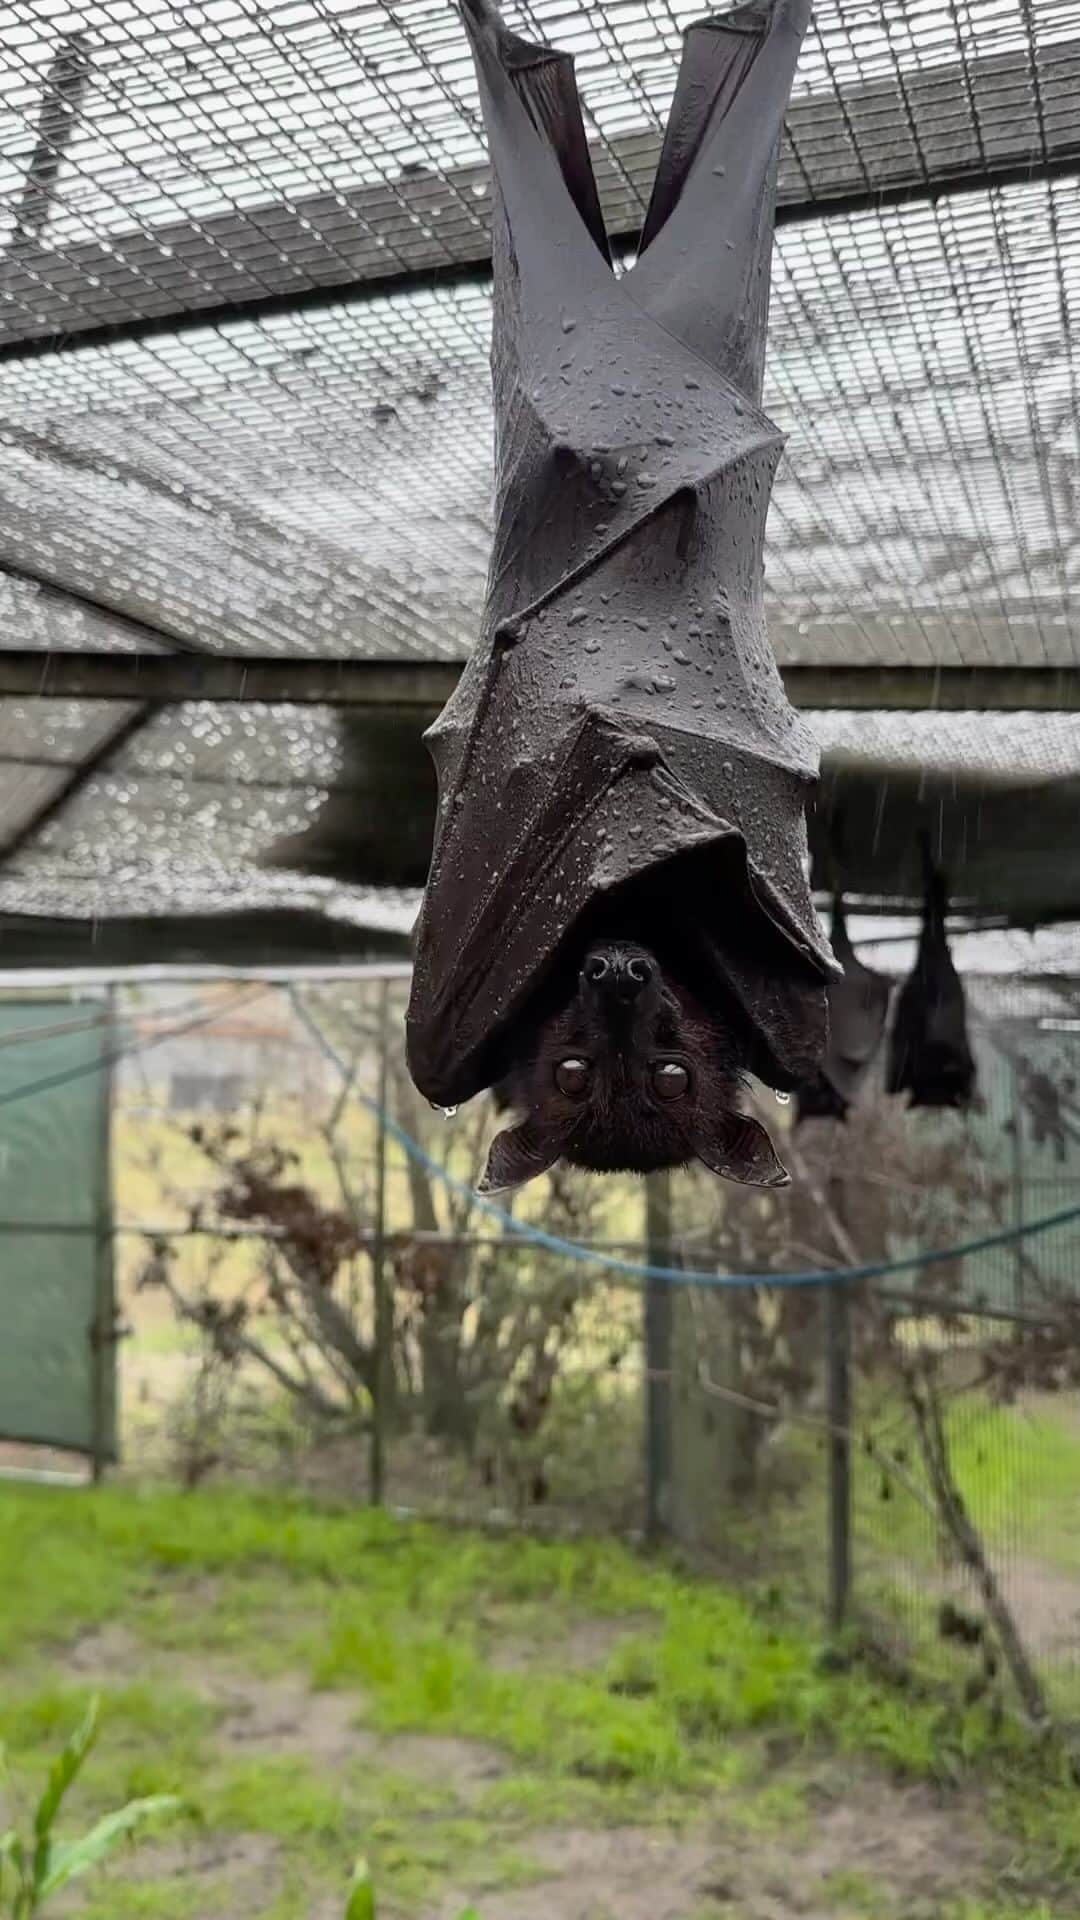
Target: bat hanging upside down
617,926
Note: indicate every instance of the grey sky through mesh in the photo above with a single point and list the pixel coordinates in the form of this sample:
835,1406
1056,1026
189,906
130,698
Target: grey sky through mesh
310,475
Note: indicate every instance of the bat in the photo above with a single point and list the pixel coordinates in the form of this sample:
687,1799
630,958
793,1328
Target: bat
621,777
858,1009
930,1058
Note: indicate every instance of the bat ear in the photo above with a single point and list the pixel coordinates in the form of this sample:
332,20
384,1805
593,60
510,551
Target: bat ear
517,1154
740,1149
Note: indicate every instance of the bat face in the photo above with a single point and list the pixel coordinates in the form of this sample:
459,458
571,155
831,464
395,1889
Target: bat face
626,1074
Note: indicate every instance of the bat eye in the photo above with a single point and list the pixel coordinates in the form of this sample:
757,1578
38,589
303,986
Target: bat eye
670,1081
572,1077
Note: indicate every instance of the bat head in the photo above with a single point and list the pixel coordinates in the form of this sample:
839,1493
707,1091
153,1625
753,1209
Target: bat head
624,1073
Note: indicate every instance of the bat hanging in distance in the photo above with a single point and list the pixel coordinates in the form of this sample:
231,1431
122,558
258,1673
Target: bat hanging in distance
617,924
930,1057
858,1010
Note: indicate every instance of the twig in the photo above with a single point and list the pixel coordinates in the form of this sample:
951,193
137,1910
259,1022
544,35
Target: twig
771,1410
966,1538
189,1309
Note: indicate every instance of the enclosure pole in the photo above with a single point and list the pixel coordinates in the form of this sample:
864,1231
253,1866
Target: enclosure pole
102,1332
838,1364
383,1304
658,1308
1017,1188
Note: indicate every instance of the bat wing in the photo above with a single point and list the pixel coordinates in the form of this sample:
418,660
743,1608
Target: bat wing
544,84
858,1010
706,247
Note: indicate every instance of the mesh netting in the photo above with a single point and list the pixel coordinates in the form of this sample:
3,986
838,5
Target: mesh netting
226,150
244,395
320,481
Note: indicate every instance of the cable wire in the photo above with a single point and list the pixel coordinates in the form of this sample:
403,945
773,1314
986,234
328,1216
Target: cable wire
676,1276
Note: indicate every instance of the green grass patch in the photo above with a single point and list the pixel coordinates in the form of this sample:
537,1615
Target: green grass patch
400,1611
707,1698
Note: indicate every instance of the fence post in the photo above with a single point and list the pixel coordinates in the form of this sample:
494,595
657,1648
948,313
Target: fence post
657,1331
1019,1251
838,1382
384,1331
103,1330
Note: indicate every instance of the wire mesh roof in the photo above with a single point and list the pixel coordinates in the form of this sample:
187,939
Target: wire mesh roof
320,481
244,394
228,149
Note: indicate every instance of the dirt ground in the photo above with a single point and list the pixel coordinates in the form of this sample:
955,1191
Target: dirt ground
914,1849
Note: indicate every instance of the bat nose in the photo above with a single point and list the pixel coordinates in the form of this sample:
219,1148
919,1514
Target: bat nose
633,977
623,976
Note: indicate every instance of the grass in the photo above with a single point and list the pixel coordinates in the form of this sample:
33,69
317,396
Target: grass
403,1611
1018,1468
703,1699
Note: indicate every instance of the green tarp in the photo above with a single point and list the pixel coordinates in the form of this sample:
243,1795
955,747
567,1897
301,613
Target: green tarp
57,1381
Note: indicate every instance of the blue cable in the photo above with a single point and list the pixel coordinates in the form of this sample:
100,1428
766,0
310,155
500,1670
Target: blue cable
685,1276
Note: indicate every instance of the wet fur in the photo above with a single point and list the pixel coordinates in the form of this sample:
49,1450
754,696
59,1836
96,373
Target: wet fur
623,1125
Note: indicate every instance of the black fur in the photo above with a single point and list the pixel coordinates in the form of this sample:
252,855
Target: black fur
635,1029
930,1057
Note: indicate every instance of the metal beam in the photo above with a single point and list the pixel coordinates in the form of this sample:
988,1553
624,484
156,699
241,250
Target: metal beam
449,276
231,678
867,689
27,672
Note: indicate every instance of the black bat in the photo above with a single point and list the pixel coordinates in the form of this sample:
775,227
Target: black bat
858,1009
617,922
930,1058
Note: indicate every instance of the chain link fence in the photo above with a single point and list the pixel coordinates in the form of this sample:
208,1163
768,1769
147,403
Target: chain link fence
312,1294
